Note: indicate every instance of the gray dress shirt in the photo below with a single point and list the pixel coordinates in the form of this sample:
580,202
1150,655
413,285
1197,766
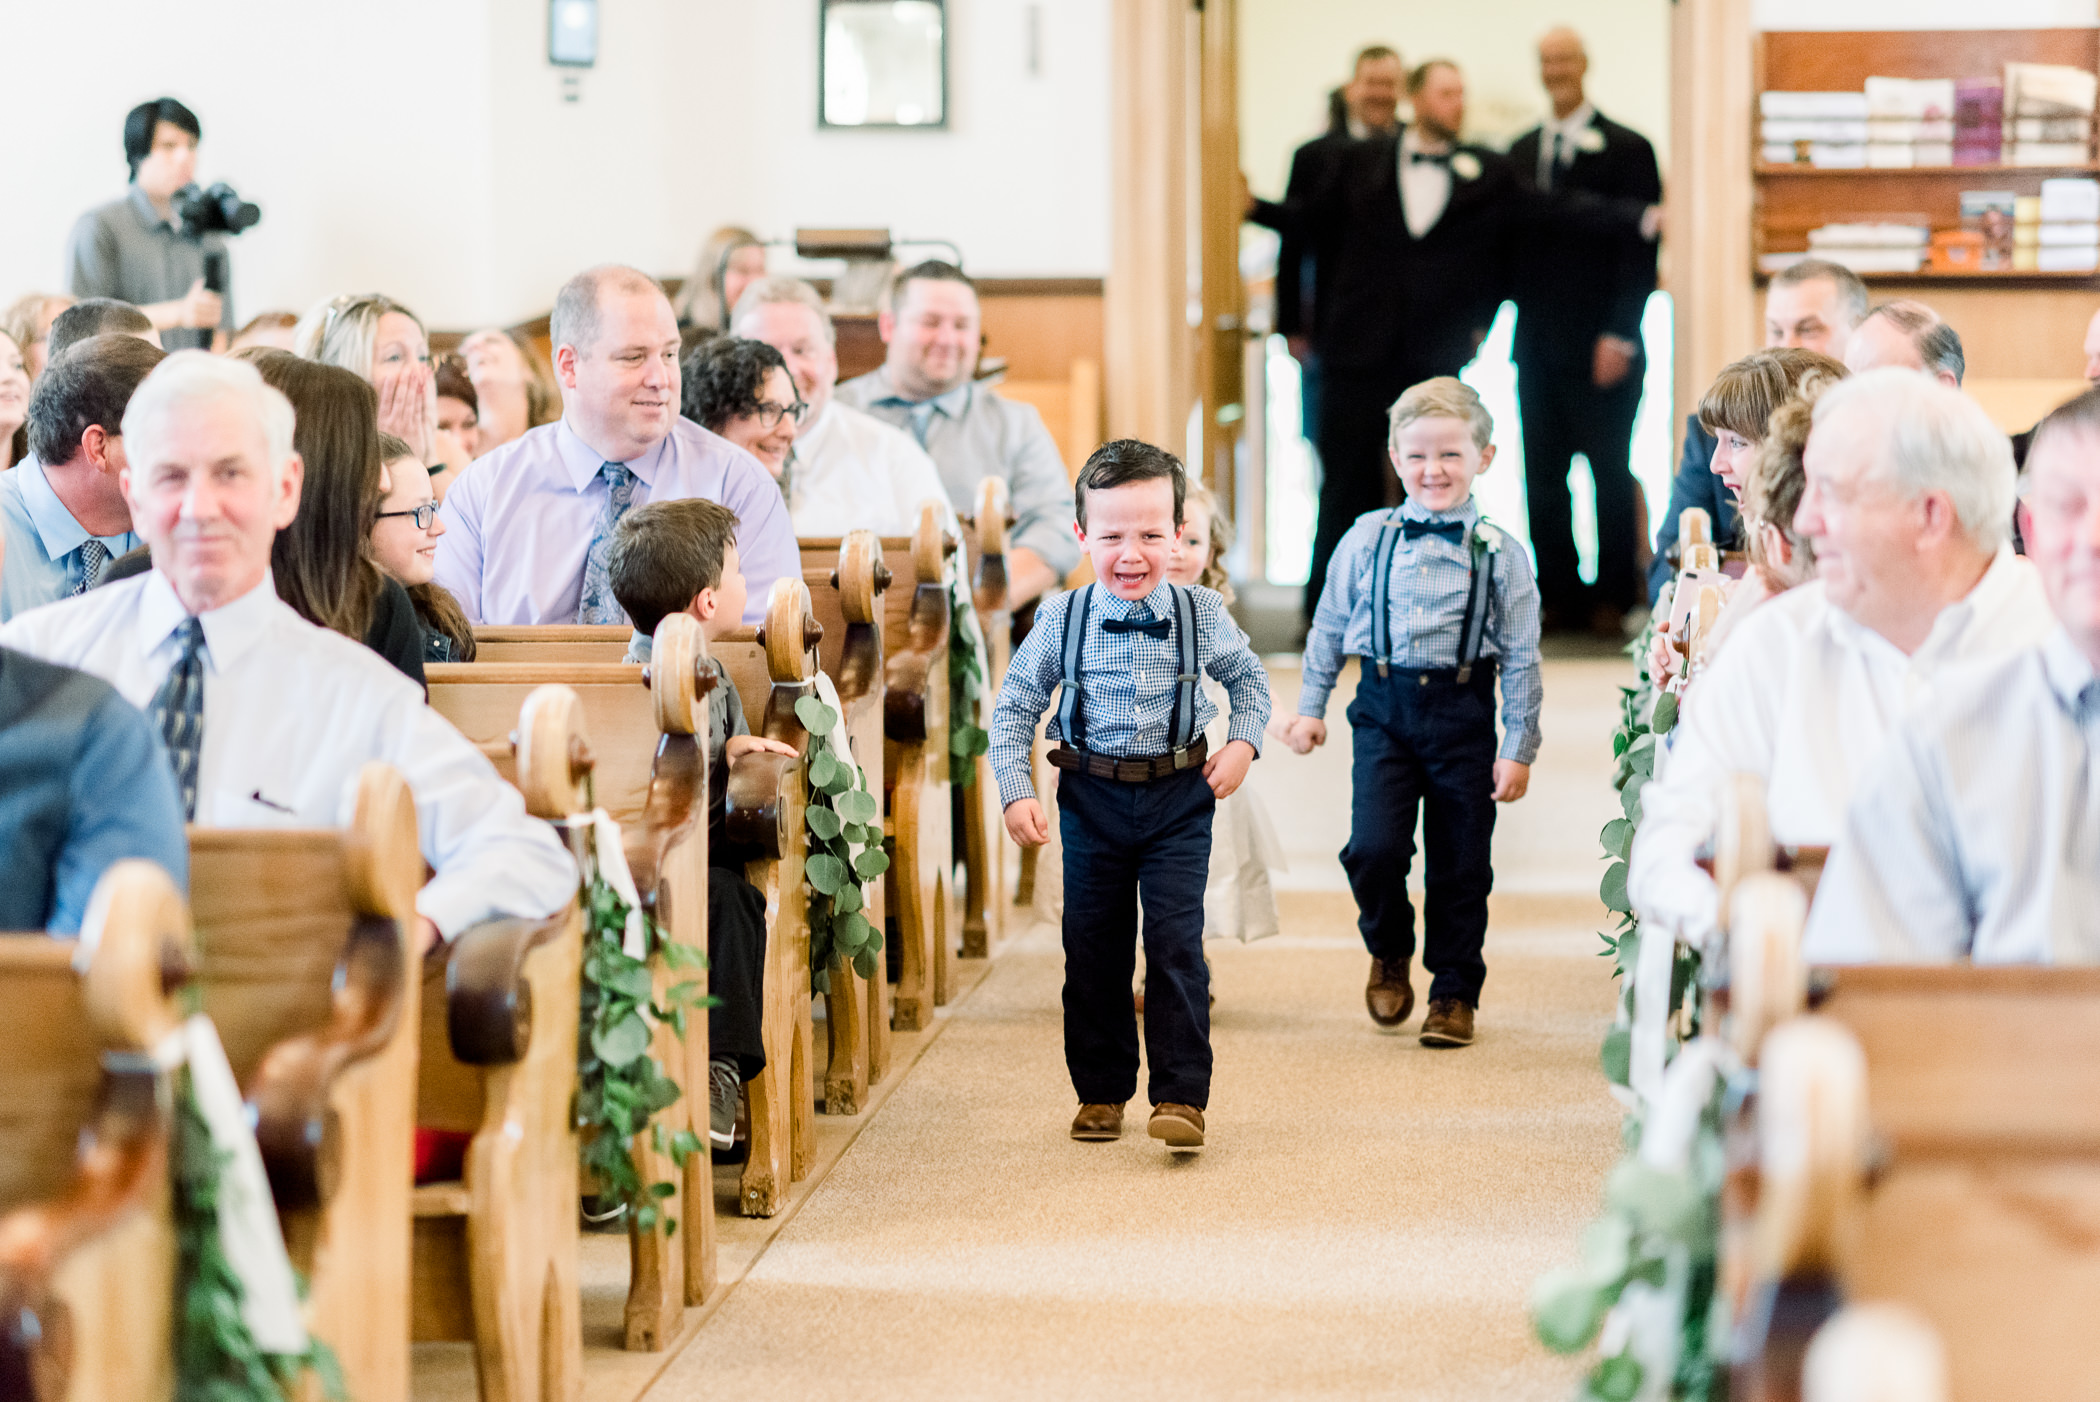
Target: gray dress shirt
973,433
124,249
1976,832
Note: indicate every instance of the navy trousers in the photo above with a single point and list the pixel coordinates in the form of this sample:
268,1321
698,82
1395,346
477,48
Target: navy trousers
1424,744
1126,843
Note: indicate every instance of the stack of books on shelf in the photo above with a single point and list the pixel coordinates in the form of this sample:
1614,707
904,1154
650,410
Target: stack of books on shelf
1979,122
1872,247
1827,129
2059,231
2049,114
2039,114
1910,122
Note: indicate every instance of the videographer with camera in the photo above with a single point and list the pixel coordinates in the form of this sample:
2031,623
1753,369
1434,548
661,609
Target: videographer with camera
162,246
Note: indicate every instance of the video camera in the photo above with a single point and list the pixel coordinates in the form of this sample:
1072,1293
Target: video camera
214,210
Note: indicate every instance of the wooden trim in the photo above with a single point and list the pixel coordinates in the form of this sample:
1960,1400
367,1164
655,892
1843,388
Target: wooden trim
1707,249
1219,345
1150,351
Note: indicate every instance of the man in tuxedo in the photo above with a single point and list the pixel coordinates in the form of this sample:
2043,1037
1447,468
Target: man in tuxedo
1580,297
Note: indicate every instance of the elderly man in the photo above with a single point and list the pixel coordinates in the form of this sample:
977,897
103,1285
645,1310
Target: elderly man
849,469
527,526
1911,336
933,328
1908,501
1974,833
267,718
1813,305
62,513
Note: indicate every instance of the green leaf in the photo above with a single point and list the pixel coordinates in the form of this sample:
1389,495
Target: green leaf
822,767
1617,838
825,874
622,1042
1613,888
1616,1055
850,932
1665,713
823,822
683,956
1662,1204
1630,797
847,900
1619,741
1616,1379
1566,1309
871,864
816,717
858,806
864,963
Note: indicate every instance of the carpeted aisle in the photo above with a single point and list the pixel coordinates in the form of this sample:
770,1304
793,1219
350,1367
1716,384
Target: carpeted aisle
1367,1221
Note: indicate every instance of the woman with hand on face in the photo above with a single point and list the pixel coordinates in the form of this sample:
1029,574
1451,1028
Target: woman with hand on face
383,341
14,401
404,543
742,390
513,384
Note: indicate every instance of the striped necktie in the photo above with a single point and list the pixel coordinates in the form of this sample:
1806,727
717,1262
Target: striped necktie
178,709
597,604
93,556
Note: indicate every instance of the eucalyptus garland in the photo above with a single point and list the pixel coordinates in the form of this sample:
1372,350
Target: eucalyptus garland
845,852
216,1357
966,686
620,1088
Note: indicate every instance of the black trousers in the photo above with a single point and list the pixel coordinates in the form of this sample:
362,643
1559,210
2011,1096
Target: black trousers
1565,414
1356,473
1424,745
736,968
1127,843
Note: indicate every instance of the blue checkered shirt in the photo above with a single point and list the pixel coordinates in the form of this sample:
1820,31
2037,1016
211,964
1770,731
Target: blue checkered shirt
1427,593
1129,680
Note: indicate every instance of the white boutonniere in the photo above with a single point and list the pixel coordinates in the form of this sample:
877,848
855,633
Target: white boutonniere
1466,166
1591,140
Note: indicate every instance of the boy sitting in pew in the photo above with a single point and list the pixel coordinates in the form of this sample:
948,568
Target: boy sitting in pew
680,557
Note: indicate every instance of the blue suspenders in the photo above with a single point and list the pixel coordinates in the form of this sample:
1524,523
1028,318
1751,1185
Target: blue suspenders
1472,633
1181,723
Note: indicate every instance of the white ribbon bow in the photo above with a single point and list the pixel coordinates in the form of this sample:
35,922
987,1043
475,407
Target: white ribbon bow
611,854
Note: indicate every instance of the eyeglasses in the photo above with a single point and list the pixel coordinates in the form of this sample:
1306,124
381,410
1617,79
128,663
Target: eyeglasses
770,414
422,515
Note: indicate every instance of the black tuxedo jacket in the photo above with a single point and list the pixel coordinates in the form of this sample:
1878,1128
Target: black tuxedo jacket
1301,278
1573,285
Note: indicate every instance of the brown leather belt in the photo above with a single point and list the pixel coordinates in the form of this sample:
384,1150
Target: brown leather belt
1131,771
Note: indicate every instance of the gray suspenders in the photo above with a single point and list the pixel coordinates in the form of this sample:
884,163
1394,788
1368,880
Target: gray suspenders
1181,723
1472,633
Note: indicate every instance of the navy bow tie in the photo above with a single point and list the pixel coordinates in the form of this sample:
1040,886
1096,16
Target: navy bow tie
1155,628
1453,531
1435,158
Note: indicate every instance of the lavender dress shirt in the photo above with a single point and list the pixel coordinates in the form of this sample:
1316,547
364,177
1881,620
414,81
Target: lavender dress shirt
519,521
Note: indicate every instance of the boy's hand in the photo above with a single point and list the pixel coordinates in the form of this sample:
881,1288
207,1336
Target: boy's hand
1227,769
1511,780
737,746
1025,823
1301,733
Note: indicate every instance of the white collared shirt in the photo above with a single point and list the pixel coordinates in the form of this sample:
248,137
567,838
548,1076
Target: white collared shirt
291,713
854,472
1804,696
1568,130
1425,187
1977,831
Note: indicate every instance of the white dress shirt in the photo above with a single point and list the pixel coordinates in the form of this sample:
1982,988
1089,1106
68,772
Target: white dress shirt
855,472
1559,140
1977,831
1804,696
1425,186
291,713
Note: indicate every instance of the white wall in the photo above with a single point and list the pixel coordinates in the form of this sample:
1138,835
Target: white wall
426,149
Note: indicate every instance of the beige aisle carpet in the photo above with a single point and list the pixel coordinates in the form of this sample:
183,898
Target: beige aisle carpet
1368,1218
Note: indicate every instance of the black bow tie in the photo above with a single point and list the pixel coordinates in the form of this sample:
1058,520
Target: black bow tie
1430,157
1453,531
1155,628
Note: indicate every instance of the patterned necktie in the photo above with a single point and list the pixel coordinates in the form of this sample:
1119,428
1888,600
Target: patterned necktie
93,556
597,604
178,708
922,420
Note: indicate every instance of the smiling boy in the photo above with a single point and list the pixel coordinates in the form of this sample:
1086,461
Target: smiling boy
1434,601
1138,787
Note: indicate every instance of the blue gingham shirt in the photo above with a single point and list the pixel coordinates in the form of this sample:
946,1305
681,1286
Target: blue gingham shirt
1427,593
1129,680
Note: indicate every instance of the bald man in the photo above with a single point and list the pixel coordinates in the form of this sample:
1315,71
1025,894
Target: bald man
1580,297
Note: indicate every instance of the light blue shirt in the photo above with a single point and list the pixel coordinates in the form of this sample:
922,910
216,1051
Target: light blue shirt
42,541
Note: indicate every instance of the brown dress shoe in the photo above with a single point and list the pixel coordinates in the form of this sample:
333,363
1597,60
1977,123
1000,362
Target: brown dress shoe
1449,1024
1389,995
1098,1122
1178,1126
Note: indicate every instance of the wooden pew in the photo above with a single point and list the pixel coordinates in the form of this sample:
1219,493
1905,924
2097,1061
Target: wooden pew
847,578
649,771
495,1253
766,798
87,1245
303,962
984,841
550,643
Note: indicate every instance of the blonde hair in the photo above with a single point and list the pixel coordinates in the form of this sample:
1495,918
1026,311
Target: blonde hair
1773,491
1213,576
700,300
343,330
1444,397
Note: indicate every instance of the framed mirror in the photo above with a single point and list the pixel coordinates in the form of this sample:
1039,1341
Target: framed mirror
882,63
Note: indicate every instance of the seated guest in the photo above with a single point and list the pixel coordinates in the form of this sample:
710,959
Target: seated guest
14,402
84,784
932,327
1908,501
267,718
528,525
267,331
404,543
383,341
63,517
741,389
1971,835
459,408
513,386
28,324
730,261
851,470
2090,349
1910,335
680,557
98,316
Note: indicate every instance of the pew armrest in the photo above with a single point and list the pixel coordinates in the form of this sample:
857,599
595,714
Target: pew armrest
677,801
488,1002
760,800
